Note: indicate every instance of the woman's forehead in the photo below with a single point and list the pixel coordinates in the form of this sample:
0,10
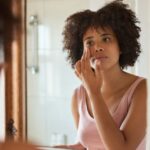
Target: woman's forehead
99,30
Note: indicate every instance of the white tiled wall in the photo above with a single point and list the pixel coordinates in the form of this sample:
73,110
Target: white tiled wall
49,91
143,10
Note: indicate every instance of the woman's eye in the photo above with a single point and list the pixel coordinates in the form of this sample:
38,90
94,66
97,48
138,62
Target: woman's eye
89,43
106,39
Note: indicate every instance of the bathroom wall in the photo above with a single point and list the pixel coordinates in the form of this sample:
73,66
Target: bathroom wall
49,91
143,12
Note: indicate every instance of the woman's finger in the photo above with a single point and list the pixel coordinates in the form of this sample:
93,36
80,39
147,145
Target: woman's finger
83,59
78,66
78,75
98,71
88,56
87,51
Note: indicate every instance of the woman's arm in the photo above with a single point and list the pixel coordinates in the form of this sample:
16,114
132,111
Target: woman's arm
133,128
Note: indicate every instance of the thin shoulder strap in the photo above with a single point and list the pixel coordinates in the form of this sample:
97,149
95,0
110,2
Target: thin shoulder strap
132,89
79,93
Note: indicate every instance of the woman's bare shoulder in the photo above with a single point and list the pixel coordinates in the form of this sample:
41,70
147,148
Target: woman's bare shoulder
141,90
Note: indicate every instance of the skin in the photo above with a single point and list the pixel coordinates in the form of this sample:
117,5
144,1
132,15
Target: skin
99,71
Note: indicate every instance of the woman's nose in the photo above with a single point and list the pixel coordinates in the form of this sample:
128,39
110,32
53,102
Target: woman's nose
99,49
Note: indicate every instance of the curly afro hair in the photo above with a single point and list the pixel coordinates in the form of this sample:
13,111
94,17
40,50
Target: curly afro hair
115,15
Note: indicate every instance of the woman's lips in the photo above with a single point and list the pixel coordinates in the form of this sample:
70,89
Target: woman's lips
99,58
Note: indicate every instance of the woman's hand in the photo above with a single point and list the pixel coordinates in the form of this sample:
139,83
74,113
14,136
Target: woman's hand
91,78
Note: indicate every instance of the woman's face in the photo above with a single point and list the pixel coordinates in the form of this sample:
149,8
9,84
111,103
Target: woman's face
103,47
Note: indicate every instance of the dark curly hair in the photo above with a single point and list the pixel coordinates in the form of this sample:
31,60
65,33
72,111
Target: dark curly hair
115,15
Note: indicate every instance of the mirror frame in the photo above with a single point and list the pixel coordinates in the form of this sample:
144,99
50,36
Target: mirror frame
15,78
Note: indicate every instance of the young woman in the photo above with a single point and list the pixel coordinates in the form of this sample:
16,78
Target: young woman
109,108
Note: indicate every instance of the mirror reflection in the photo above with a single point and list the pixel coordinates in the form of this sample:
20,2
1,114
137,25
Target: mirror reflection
50,79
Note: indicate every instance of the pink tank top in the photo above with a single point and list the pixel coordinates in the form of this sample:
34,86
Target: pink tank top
87,133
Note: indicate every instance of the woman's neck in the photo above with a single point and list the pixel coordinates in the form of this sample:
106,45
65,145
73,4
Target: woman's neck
113,80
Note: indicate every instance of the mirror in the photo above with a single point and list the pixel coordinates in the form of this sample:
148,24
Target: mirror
50,79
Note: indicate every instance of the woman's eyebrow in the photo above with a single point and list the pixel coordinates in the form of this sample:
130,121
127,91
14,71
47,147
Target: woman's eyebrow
106,34
88,38
91,37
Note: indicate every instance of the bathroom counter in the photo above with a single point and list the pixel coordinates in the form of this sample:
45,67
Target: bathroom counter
48,148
